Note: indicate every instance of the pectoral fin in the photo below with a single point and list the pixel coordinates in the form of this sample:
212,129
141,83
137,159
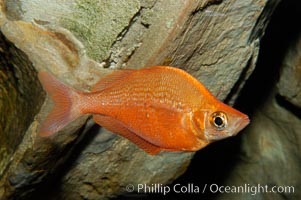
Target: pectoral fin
116,127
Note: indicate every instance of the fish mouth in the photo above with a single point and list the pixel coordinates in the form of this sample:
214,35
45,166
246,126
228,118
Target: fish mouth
241,125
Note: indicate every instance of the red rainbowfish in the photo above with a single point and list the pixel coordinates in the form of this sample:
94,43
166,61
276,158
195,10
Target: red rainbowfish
157,108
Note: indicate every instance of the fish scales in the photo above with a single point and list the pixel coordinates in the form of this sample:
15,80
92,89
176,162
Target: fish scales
157,108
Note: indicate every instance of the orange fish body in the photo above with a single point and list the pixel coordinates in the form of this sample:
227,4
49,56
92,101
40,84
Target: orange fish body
157,108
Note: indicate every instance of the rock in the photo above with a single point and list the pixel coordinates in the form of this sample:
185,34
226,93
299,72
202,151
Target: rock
268,155
19,91
290,79
81,41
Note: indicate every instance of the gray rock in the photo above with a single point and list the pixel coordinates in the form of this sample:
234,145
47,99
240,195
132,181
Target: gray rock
290,79
216,41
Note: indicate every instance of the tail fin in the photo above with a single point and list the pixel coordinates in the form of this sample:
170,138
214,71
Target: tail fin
62,113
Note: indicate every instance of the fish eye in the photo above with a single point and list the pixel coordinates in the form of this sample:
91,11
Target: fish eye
219,120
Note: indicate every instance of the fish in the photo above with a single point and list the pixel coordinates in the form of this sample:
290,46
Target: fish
157,108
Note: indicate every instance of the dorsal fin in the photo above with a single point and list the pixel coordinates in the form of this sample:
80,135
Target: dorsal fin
111,79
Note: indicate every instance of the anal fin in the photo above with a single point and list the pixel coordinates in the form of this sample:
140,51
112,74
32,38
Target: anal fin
116,127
